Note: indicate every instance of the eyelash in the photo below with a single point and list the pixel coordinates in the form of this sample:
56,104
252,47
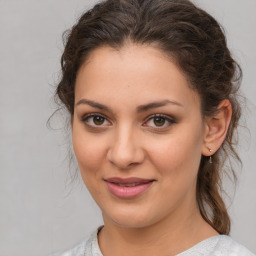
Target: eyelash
93,115
165,117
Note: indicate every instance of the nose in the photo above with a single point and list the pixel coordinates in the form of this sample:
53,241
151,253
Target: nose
126,150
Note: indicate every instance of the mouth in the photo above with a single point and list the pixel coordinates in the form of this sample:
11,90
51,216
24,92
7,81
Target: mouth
128,188
128,185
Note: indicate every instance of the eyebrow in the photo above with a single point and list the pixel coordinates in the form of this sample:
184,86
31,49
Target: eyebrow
157,104
93,104
141,108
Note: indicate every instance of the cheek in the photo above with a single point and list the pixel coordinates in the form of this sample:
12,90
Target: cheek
89,151
89,156
178,154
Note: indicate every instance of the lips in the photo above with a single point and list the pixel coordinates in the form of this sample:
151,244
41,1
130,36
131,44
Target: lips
128,188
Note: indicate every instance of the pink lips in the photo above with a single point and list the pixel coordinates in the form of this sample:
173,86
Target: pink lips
127,188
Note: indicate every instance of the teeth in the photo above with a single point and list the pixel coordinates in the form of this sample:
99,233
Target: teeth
128,185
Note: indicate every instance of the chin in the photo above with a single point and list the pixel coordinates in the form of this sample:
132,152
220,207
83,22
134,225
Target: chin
130,220
132,223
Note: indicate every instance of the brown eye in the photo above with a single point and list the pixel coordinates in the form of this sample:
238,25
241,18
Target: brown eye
95,120
98,120
159,121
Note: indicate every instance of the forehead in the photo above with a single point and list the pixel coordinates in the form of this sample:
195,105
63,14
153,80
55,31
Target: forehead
136,73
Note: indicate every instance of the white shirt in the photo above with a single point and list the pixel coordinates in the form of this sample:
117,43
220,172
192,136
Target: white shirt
220,245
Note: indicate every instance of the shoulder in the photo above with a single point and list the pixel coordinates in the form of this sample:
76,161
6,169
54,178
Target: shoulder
227,246
78,250
220,245
88,247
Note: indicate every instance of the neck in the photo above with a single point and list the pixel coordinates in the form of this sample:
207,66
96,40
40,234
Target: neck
170,236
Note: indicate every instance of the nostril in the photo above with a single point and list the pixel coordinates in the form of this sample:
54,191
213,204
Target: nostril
125,150
123,159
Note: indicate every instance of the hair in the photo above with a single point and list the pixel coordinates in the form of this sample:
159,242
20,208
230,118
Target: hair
197,44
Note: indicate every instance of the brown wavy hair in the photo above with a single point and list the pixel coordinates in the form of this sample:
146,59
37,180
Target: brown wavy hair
197,44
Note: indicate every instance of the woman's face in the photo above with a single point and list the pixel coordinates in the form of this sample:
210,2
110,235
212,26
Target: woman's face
138,134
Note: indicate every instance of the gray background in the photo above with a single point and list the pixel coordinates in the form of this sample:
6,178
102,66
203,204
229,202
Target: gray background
40,211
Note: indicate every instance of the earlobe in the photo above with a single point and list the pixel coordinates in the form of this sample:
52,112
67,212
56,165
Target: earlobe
216,128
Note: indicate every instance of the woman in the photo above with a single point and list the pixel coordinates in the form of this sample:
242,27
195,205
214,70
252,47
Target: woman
151,89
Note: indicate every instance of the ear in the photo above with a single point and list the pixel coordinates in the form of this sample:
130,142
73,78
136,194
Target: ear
216,128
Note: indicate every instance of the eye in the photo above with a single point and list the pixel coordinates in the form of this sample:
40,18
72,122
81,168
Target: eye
159,121
95,120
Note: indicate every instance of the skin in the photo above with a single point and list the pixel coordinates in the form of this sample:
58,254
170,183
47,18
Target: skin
130,143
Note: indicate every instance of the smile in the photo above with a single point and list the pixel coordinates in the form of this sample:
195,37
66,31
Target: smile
128,185
128,188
